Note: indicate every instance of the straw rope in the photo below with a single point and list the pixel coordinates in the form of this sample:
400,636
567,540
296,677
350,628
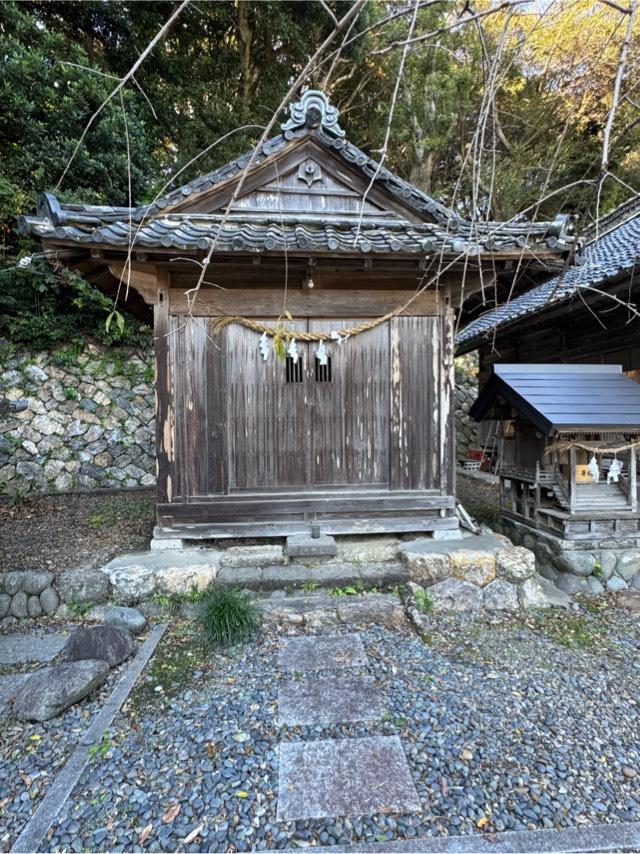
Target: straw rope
592,446
281,331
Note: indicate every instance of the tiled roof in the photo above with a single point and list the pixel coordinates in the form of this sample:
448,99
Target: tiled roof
313,117
616,250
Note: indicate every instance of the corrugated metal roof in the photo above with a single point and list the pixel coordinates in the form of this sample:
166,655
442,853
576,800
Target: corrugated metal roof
611,254
565,398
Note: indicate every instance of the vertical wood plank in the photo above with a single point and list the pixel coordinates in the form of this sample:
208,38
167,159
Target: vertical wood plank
163,389
633,480
572,479
415,418
349,416
446,405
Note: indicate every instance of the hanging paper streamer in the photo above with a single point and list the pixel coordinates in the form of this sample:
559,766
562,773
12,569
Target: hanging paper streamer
264,346
337,336
292,350
593,469
321,354
614,470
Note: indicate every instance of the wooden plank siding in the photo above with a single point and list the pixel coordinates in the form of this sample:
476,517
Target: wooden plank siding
250,446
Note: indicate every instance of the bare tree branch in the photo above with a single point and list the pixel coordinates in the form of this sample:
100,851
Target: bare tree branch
123,80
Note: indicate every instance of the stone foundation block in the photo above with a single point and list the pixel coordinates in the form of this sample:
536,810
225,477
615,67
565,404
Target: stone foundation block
304,545
515,564
251,556
452,594
500,595
476,567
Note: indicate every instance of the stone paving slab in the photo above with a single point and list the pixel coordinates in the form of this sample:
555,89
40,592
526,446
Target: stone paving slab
324,700
344,777
20,649
322,652
477,543
597,839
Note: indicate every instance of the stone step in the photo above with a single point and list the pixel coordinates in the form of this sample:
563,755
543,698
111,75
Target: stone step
307,546
322,609
298,577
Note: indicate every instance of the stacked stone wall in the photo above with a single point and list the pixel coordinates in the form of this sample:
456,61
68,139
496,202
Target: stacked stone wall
89,422
466,393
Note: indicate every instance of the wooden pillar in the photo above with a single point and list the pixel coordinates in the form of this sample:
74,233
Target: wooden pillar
572,479
633,484
164,420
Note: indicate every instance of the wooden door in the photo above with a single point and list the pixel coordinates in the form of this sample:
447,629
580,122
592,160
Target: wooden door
349,409
305,426
267,442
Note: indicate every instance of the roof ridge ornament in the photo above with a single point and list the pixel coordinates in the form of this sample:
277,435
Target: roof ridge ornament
313,110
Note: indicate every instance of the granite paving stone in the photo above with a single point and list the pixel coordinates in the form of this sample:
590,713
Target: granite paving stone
322,700
322,652
20,649
344,777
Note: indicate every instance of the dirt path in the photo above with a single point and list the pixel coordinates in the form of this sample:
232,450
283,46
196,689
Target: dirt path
61,532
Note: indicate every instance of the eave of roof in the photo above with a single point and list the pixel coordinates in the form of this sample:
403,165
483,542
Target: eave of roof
565,398
156,225
615,250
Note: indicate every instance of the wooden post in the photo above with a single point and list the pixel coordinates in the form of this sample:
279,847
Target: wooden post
164,425
572,479
633,485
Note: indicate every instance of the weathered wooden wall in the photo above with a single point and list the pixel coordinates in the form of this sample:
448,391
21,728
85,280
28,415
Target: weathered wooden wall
380,431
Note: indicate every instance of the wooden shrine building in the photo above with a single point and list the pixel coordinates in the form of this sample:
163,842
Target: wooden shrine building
568,441
310,377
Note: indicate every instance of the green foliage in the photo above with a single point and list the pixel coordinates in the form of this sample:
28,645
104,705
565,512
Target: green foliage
423,600
227,616
79,609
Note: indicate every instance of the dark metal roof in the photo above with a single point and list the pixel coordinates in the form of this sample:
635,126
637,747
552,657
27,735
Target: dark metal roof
312,117
565,398
613,250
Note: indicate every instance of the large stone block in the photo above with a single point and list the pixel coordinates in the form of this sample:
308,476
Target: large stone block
476,567
19,604
500,595
182,579
515,564
83,585
426,569
571,584
628,564
253,556
531,594
133,583
614,584
366,550
452,594
304,545
49,600
125,618
577,563
50,691
34,581
112,644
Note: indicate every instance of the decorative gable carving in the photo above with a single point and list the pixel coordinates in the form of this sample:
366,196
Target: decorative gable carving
309,172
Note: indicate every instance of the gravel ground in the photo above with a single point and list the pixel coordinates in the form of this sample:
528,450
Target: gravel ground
508,724
59,532
32,754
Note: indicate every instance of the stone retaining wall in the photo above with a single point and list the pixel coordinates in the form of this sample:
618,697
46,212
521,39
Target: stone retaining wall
498,578
466,393
580,566
89,424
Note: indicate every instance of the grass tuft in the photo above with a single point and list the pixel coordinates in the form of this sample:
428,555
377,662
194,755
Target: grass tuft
227,616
